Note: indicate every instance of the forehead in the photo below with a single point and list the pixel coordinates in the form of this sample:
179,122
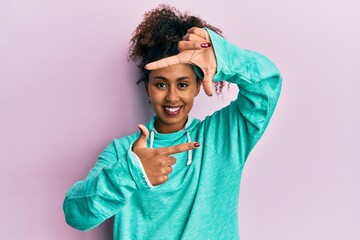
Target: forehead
174,72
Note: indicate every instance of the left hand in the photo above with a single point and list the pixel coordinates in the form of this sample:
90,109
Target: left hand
195,48
158,162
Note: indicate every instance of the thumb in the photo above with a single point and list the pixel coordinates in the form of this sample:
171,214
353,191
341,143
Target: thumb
207,84
144,134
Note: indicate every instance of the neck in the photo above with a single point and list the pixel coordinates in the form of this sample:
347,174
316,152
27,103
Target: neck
162,127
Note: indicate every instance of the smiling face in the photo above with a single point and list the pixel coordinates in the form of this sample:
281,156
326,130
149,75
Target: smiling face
172,91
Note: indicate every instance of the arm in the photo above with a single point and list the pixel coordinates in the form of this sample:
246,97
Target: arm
118,173
107,188
234,130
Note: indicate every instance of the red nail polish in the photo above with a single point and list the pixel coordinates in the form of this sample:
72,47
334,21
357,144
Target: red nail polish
205,45
197,144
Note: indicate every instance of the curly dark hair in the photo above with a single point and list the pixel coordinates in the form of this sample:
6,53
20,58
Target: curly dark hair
157,37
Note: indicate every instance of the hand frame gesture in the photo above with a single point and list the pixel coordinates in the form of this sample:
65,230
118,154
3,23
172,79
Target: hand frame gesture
195,48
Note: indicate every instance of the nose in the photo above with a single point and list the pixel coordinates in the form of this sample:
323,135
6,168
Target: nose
172,95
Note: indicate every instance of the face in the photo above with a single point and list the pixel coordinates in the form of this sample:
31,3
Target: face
172,91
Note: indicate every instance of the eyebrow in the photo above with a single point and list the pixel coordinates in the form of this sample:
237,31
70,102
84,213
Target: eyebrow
178,79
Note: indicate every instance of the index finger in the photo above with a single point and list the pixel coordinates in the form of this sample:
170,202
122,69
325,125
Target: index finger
177,148
200,32
165,62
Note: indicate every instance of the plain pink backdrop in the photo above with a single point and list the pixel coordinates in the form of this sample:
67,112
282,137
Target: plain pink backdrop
66,90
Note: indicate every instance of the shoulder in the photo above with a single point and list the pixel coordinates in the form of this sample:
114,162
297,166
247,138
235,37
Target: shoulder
122,144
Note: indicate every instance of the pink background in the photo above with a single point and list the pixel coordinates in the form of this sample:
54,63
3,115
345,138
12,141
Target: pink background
66,90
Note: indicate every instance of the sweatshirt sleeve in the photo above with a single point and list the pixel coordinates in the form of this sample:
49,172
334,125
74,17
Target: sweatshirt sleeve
233,131
106,189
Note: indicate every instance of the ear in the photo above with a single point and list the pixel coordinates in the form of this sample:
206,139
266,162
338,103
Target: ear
146,85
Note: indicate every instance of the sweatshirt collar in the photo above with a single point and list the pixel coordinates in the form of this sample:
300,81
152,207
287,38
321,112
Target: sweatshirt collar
190,124
154,135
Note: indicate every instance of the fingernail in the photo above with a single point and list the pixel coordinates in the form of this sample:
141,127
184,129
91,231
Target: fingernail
197,144
205,45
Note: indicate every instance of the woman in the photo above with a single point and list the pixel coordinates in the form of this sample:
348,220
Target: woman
179,177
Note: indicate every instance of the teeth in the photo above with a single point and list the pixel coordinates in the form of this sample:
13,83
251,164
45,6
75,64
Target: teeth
172,109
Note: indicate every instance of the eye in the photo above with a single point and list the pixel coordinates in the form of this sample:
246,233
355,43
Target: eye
160,85
183,85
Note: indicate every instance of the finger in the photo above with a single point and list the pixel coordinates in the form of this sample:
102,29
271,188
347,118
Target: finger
163,161
177,148
144,134
165,62
160,180
169,170
207,84
200,32
171,160
190,45
164,178
193,37
166,170
168,161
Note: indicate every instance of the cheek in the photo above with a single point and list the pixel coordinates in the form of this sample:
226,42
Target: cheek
194,93
155,96
189,98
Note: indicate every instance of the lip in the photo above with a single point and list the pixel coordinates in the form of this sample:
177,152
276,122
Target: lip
172,110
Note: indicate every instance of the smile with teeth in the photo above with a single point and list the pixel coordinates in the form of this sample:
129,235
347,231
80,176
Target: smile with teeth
172,110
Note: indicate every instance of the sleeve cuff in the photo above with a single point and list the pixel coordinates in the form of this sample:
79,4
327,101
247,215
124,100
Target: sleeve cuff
137,171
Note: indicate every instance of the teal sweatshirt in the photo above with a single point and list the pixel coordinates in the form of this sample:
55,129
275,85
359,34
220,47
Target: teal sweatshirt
200,199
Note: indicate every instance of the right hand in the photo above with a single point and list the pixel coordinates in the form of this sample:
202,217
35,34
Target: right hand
156,161
192,51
